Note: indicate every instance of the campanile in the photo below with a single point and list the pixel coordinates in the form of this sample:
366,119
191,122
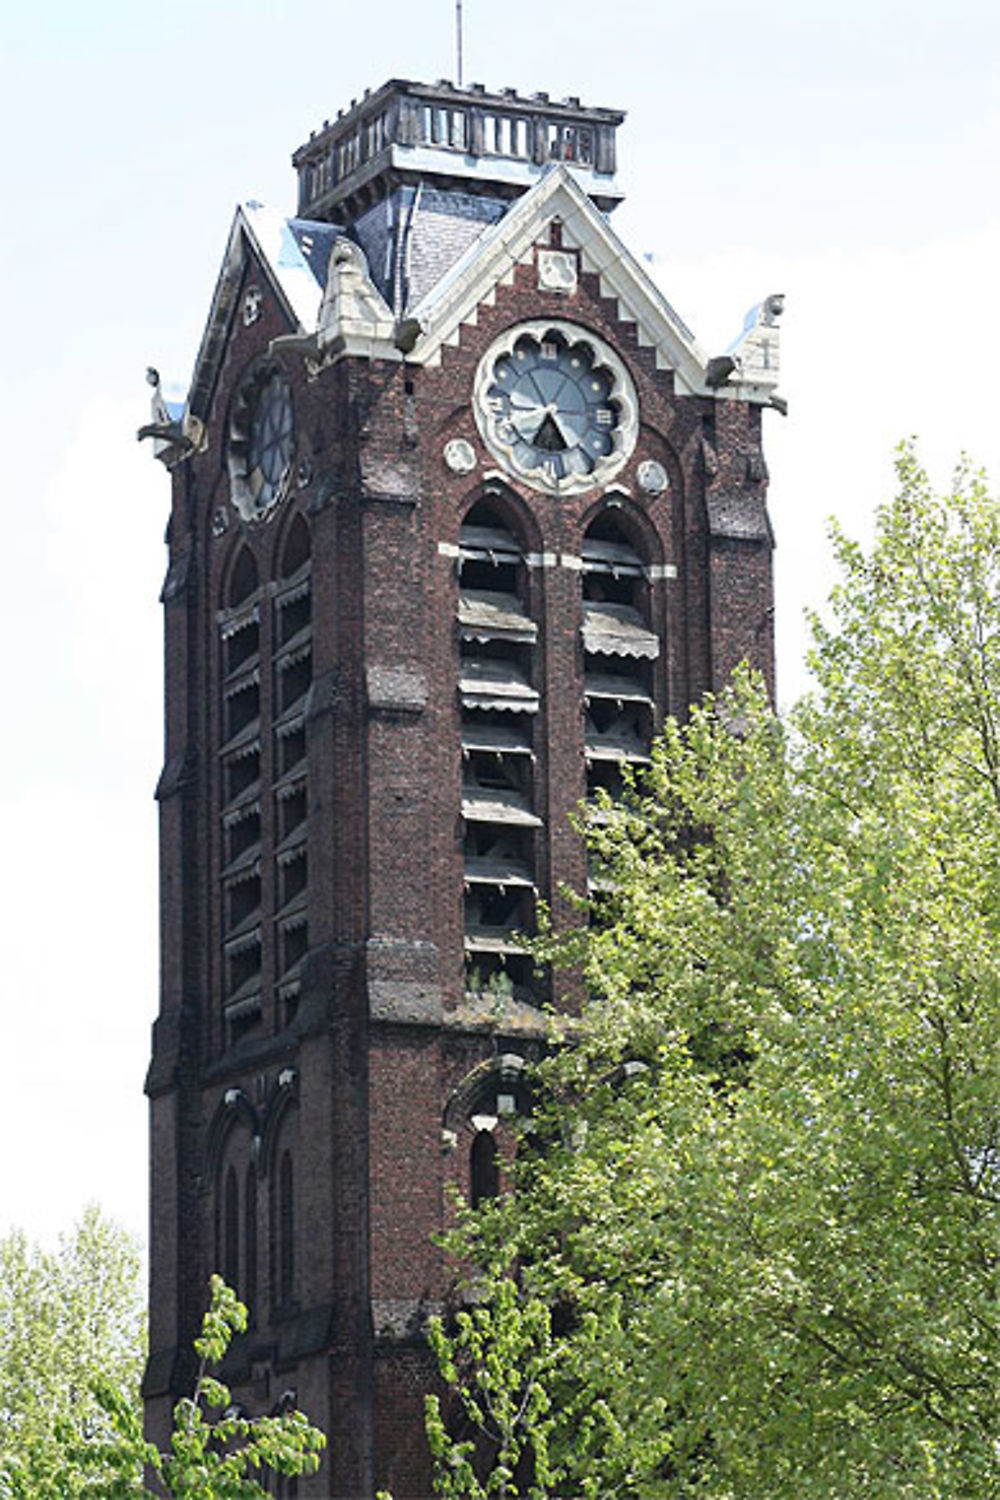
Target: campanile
460,510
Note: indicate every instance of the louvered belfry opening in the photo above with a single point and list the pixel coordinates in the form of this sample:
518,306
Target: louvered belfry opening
619,651
498,644
292,678
265,643
240,782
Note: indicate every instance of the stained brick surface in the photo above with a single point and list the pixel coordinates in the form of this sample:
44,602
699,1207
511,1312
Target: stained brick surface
356,1084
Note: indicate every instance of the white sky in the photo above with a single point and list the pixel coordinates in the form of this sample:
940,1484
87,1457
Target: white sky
844,153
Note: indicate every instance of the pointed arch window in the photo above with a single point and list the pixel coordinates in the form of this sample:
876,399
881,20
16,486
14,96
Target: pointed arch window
265,674
239,622
285,1237
292,681
231,1229
620,648
484,1170
249,1284
498,640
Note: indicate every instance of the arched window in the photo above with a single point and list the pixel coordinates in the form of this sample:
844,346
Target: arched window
249,1288
240,708
499,701
266,671
619,649
286,1231
292,681
484,1172
231,1230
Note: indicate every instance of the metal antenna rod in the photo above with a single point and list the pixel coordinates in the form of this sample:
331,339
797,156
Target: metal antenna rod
458,38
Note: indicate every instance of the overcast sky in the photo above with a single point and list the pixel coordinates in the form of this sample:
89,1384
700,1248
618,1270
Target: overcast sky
844,153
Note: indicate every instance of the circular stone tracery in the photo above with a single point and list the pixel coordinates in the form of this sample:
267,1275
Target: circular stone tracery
556,405
261,442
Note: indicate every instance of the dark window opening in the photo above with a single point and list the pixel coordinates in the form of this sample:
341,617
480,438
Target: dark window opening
241,1025
241,773
616,679
242,708
294,946
498,909
286,1231
490,558
503,974
243,579
294,878
291,811
606,774
487,728
484,1171
294,680
511,653
500,577
244,900
496,661
244,967
242,646
605,715
231,1230
243,835
613,571
294,616
249,1290
489,841
495,772
291,749
297,548
606,588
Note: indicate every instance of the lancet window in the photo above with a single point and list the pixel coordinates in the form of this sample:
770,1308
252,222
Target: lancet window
620,648
265,664
498,639
293,678
240,773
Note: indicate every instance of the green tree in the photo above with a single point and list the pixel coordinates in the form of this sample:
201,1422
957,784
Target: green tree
71,1355
68,1320
216,1452
766,1207
499,1360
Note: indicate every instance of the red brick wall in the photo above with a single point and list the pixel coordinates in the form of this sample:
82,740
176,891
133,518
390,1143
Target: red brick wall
374,1064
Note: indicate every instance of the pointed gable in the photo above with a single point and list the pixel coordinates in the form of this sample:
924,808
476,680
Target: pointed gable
293,256
491,260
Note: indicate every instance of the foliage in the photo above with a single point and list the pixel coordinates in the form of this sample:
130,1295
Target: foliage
68,1320
86,1440
499,1359
216,1453
763,1199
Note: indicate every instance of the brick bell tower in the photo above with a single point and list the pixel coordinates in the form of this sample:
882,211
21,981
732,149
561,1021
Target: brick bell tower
460,511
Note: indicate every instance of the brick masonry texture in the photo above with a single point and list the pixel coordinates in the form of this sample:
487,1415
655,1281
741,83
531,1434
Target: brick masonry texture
353,1084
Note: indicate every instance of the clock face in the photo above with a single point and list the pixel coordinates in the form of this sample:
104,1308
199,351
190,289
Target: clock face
556,406
261,442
